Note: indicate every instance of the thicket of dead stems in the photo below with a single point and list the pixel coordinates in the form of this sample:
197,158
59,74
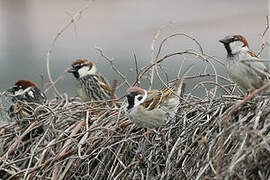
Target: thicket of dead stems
214,135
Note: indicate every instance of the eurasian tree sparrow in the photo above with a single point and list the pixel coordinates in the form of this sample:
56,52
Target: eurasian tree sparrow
149,109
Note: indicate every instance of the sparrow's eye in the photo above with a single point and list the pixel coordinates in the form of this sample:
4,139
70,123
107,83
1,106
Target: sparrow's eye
78,66
139,98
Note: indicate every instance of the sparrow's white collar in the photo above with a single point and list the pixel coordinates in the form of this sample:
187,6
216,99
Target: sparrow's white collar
84,71
21,91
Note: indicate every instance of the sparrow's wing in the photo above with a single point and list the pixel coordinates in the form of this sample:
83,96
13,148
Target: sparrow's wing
255,73
155,98
258,67
104,84
252,54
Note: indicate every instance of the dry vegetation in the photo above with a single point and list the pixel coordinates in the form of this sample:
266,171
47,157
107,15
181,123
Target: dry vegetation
212,137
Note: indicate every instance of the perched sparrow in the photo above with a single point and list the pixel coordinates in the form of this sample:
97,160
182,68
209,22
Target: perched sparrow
26,96
92,86
149,109
242,65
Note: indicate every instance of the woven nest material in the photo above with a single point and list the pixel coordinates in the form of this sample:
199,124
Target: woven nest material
66,141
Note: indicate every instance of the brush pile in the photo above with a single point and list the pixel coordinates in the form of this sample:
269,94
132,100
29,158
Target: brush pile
209,138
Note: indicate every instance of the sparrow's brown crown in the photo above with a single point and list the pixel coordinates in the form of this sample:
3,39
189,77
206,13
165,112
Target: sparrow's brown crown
135,89
79,62
25,84
241,38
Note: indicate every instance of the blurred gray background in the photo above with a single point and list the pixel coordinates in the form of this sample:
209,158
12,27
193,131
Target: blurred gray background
120,28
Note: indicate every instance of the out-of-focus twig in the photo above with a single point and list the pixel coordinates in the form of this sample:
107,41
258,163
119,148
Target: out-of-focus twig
153,57
262,36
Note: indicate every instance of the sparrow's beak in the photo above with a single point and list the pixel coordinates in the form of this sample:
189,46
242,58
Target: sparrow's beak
10,91
224,41
71,70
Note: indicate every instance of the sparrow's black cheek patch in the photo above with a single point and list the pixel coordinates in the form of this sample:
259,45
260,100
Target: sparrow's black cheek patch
130,99
76,74
75,70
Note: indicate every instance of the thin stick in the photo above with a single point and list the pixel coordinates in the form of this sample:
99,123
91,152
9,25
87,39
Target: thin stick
227,115
179,34
262,36
57,79
136,66
153,58
113,66
74,18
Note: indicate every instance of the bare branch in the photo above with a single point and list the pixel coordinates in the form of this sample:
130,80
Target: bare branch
262,37
113,66
74,18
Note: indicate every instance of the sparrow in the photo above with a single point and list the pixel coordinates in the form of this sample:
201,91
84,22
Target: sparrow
26,96
242,65
91,86
150,109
